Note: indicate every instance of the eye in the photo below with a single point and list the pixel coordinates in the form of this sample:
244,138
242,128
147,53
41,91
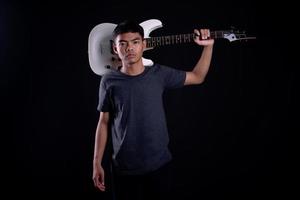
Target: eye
122,43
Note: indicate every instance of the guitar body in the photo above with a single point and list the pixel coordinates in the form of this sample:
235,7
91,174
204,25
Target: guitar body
101,56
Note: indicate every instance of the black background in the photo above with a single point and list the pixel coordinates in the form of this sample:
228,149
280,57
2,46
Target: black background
229,136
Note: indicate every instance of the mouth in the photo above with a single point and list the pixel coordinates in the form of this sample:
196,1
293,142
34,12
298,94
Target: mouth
130,55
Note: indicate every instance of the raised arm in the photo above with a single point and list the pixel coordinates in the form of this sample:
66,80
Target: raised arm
198,74
100,143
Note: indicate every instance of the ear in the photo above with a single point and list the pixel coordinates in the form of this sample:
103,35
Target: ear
114,48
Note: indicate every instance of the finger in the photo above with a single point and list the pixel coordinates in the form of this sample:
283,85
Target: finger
98,184
101,187
205,34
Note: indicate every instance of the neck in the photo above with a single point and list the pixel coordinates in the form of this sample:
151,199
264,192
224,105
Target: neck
181,38
133,70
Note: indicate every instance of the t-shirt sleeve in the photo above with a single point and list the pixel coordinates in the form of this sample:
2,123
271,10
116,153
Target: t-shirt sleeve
173,78
104,97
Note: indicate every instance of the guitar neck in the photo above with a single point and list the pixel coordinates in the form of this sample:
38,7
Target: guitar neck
180,38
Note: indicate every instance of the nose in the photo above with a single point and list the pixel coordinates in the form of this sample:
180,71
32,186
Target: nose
129,47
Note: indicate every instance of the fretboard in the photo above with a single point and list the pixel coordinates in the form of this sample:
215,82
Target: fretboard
180,38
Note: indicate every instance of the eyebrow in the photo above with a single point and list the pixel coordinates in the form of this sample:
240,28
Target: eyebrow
137,38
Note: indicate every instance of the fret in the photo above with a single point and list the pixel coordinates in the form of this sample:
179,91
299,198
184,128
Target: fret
177,39
148,43
153,42
186,38
158,42
168,39
219,34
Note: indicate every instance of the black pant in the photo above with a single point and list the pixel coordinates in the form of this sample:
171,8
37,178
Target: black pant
155,185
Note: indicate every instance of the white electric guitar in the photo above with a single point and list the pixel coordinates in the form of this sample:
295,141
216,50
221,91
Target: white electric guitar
102,58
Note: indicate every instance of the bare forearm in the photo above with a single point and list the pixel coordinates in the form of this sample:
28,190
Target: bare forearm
100,142
202,66
198,74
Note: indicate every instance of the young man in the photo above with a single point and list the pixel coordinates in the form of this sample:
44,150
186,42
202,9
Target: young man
131,110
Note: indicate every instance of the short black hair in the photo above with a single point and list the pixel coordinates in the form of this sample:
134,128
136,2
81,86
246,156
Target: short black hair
128,26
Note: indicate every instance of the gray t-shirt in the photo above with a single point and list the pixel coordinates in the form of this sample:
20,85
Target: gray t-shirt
138,127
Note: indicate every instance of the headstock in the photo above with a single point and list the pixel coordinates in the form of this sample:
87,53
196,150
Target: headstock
233,35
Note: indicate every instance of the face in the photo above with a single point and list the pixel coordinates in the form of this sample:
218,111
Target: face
129,47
